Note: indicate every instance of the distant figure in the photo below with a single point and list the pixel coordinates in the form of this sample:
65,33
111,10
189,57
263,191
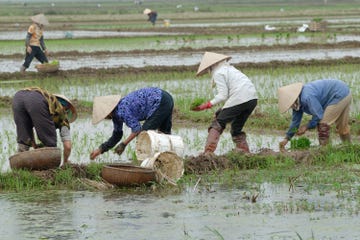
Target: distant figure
34,43
151,14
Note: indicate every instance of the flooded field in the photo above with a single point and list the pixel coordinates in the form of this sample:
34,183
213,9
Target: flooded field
184,59
215,213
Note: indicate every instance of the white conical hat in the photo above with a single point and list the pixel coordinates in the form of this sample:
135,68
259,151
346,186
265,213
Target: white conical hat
72,115
288,95
147,11
40,19
103,106
210,59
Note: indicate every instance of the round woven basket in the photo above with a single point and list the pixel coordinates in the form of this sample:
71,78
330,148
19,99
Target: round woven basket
47,67
127,175
38,159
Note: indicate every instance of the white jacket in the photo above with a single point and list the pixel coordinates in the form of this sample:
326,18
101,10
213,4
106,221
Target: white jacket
232,86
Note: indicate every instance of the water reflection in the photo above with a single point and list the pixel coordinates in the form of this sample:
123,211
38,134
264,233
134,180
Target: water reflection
200,214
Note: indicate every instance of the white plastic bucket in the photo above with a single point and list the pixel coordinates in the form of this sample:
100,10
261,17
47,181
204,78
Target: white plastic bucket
151,142
167,165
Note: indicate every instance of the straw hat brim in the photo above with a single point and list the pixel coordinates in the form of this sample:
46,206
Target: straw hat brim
40,19
103,106
73,113
146,11
288,95
209,59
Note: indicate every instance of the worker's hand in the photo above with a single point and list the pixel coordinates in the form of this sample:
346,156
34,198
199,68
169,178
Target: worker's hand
28,50
46,52
282,144
119,149
301,130
203,106
95,153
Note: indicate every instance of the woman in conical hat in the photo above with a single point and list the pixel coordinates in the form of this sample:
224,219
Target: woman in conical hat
151,14
237,94
152,105
327,101
34,42
45,112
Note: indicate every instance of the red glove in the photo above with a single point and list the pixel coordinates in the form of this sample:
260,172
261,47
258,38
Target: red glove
203,106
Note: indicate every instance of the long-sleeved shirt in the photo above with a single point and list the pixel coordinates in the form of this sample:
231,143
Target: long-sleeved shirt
314,98
135,107
35,36
232,86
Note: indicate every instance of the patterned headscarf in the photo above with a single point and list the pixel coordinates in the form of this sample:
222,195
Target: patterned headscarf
56,109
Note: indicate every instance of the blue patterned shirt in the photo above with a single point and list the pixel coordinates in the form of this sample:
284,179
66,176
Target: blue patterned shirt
135,107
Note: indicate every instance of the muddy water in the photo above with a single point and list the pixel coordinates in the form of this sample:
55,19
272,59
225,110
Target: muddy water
195,213
185,59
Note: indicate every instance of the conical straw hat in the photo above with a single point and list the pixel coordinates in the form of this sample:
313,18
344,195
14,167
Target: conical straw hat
72,115
288,95
146,11
208,60
40,19
103,106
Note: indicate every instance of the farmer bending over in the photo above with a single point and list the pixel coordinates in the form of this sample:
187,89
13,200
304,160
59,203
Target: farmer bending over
151,104
46,112
240,97
327,101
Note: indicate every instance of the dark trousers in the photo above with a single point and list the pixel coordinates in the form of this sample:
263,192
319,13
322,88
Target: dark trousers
237,116
37,53
162,118
31,110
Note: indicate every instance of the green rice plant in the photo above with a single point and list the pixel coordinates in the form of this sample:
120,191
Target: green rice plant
197,102
93,171
64,176
300,143
20,180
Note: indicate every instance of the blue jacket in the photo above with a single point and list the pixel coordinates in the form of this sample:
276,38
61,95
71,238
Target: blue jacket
314,98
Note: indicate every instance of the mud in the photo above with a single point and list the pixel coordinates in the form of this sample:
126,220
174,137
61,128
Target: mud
205,163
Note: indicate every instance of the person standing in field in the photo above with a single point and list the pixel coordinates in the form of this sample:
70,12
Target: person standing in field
152,105
152,15
34,42
36,108
238,94
327,101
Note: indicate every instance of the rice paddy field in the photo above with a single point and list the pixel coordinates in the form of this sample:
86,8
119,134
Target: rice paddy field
109,47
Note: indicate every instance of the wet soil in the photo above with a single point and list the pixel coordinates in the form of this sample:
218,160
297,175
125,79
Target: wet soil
201,164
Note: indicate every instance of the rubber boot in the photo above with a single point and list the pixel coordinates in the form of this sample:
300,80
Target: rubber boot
23,147
345,138
323,133
212,140
241,143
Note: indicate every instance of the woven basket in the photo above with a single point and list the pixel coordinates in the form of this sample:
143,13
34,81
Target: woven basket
47,67
127,175
38,159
